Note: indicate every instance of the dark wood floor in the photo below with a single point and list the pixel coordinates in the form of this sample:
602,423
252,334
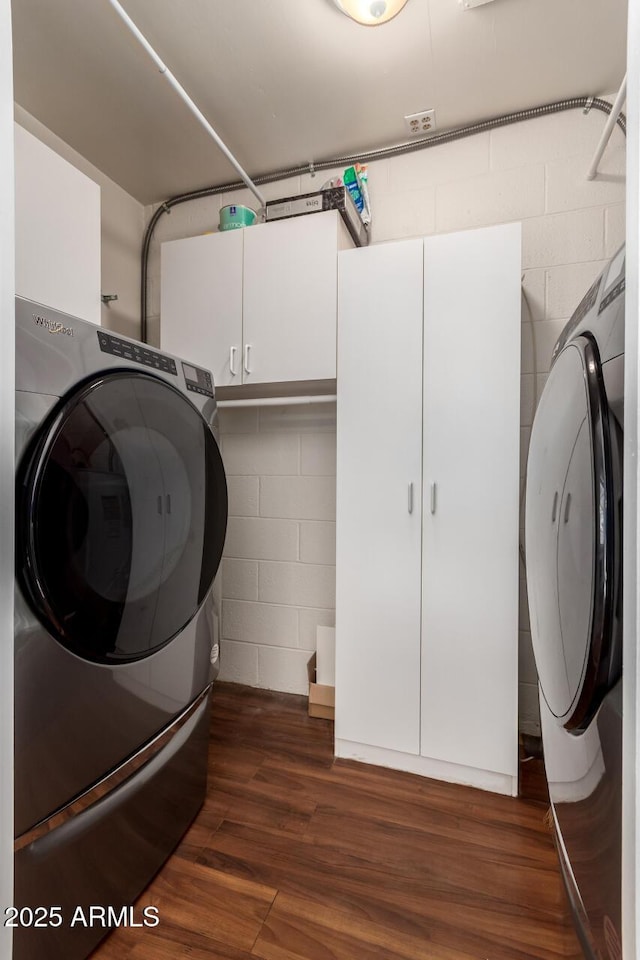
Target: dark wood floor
297,857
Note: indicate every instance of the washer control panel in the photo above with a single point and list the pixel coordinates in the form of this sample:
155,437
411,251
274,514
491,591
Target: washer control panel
197,380
136,352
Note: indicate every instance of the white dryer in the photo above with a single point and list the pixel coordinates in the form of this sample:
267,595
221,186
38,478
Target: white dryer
574,581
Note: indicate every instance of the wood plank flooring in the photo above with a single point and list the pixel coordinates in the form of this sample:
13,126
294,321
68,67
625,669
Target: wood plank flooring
295,856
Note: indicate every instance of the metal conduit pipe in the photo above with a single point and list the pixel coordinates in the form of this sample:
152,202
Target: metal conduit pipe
574,103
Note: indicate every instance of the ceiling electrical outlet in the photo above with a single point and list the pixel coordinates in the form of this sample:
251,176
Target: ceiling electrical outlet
420,123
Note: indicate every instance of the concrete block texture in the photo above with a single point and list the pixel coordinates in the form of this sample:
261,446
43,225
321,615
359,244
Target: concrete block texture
318,454
280,669
554,137
238,420
302,584
299,498
243,496
569,189
566,286
261,623
492,198
294,418
308,621
238,662
399,215
239,579
279,561
318,542
571,237
260,539
443,164
258,455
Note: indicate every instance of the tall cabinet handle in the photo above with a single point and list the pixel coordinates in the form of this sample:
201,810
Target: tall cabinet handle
410,499
232,360
247,349
433,498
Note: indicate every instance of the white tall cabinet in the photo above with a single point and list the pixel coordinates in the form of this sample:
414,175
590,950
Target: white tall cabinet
428,506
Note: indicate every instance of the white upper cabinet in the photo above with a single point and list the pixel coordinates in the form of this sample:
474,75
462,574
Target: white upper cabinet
256,305
57,231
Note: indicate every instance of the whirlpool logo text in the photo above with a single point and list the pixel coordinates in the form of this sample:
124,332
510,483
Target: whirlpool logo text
53,326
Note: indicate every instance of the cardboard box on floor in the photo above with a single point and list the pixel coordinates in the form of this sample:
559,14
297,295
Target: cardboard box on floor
321,698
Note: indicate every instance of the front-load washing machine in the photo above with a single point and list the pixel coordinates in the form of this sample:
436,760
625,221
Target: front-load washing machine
121,511
574,580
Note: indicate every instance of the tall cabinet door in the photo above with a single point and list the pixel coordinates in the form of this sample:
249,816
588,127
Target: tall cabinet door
201,302
470,498
378,525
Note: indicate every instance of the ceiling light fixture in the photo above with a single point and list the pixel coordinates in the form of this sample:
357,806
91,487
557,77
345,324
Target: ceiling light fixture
370,12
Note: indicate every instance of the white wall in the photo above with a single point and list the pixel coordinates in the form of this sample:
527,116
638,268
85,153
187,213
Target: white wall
122,219
534,172
7,395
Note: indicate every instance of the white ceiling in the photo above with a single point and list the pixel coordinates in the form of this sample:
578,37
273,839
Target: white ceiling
289,81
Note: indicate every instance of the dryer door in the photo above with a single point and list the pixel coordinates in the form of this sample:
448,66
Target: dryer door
569,535
122,515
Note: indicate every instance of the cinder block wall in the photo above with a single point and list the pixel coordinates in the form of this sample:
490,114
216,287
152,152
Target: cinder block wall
278,572
278,568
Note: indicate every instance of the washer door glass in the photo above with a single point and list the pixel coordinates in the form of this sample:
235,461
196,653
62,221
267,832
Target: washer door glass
123,510
569,532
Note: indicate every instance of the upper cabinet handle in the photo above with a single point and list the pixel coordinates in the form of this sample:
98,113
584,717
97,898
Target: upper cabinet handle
566,508
433,498
232,360
410,500
554,509
246,358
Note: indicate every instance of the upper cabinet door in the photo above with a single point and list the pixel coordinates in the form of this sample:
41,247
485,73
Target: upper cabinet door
201,302
471,509
57,231
290,299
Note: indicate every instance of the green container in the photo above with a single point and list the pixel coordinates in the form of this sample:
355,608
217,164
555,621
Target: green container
235,216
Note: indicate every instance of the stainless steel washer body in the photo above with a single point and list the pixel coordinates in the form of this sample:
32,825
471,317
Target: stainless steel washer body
121,508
